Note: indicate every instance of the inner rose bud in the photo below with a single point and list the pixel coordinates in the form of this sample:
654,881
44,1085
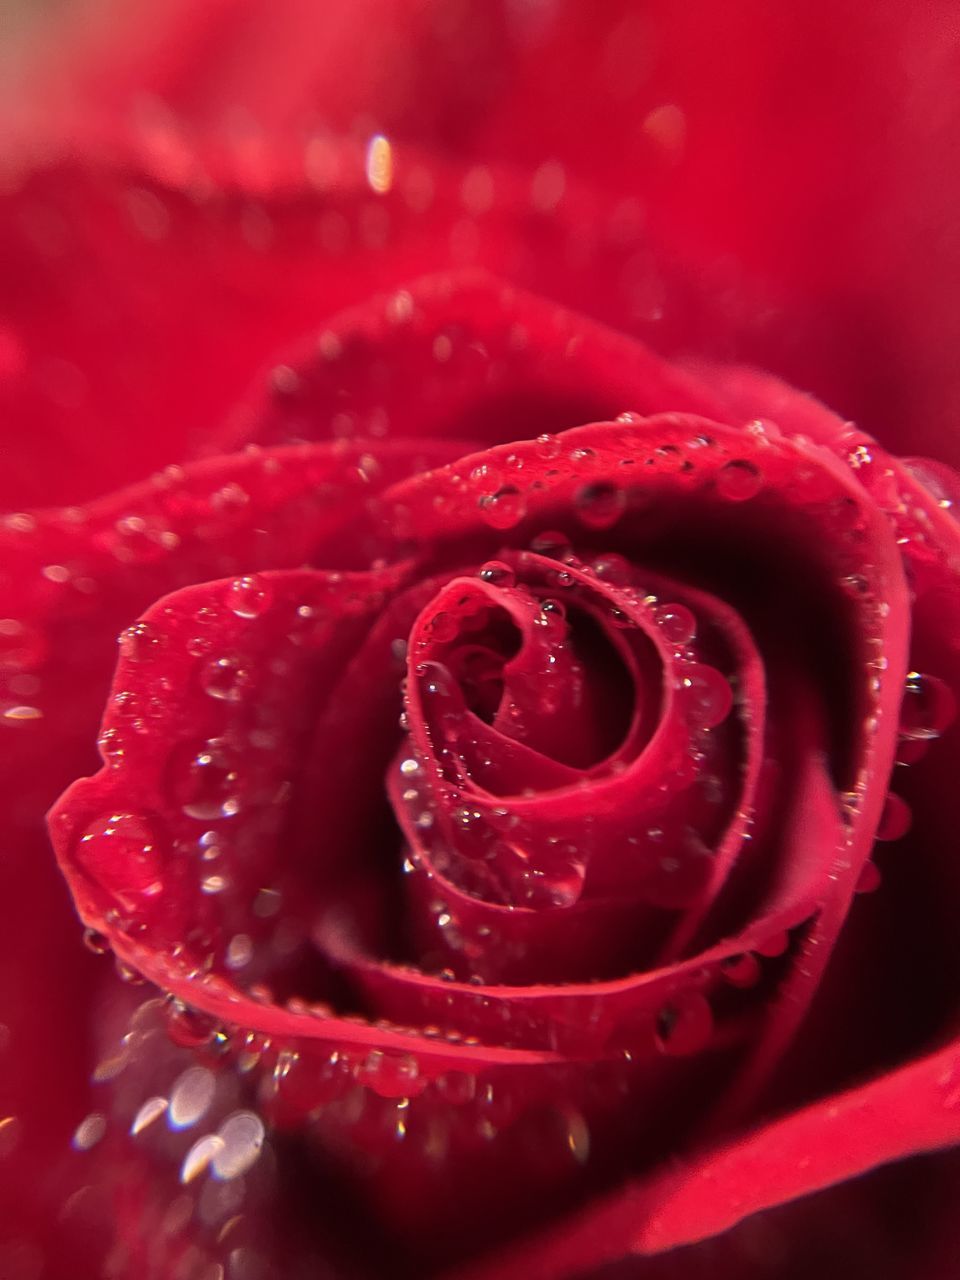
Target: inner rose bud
567,746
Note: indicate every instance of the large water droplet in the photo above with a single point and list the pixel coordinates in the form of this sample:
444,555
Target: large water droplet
705,694
928,708
600,505
505,508
677,623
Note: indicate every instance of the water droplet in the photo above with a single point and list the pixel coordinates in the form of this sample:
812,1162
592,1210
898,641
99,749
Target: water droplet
111,746
895,819
505,508
548,447
97,943
190,1097
444,626
248,597
705,694
677,623
205,782
613,568
552,544
869,879
685,1025
120,852
741,971
189,1028
498,573
241,1140
225,679
738,480
600,505
139,641
928,708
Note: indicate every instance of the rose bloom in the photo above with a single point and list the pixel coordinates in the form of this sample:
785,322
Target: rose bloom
512,442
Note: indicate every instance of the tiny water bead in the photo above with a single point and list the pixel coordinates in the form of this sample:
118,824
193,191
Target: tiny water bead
928,708
248,597
739,480
503,509
120,851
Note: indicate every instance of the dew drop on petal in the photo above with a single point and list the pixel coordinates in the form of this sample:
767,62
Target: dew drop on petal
139,641
869,878
742,970
248,597
705,694
498,573
553,544
224,679
600,505
928,708
503,509
685,1025
677,623
204,781
613,568
738,480
895,819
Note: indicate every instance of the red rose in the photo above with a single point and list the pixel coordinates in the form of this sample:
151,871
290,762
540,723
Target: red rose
526,779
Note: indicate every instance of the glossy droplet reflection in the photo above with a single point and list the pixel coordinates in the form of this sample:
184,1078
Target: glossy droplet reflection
503,509
498,573
677,623
929,707
248,597
704,694
224,679
204,781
